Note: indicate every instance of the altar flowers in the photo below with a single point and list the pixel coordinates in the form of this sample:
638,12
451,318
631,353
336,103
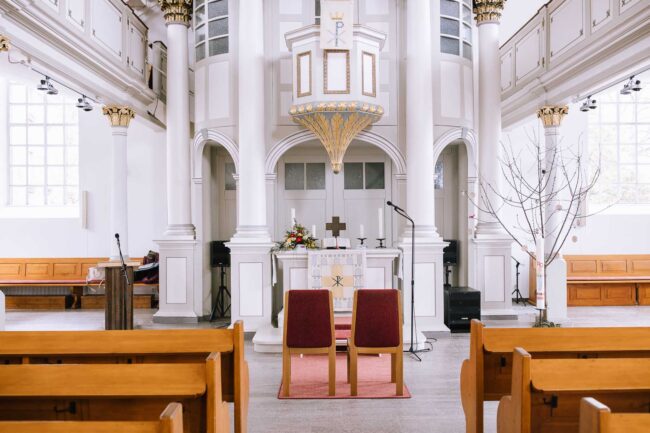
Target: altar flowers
298,235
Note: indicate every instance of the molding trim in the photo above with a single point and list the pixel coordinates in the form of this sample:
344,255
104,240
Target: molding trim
471,144
281,147
118,115
203,137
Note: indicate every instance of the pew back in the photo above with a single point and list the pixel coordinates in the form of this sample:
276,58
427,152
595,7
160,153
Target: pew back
171,421
546,393
139,347
595,417
487,374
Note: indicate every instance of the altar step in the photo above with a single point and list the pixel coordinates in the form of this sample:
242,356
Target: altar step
269,339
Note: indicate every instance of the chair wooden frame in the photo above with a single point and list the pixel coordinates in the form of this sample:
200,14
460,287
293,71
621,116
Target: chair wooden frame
596,417
288,351
396,353
171,421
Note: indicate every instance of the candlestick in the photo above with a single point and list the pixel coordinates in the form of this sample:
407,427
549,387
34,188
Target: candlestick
380,214
361,231
293,216
381,242
539,259
362,245
313,231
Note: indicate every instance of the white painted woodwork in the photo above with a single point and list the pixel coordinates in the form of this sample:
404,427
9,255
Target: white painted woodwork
76,12
494,278
529,54
106,26
601,13
176,277
119,193
137,49
507,70
566,26
251,285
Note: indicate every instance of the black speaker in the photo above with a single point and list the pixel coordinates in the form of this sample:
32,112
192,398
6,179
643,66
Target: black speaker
450,252
462,304
219,254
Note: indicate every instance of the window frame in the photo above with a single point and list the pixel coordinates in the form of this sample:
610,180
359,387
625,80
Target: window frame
462,24
206,24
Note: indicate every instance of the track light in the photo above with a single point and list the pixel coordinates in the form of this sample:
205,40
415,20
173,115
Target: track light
46,85
84,104
631,86
589,104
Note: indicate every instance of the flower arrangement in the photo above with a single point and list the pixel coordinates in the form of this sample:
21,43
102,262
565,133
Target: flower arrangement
298,235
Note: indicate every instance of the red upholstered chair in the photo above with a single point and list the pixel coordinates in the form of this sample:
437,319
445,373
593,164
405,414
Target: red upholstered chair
377,328
308,329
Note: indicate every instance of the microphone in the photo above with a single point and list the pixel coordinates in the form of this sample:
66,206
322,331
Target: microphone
117,236
390,203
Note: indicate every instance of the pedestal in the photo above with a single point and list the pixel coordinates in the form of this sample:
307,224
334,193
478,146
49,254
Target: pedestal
177,294
493,264
119,296
556,291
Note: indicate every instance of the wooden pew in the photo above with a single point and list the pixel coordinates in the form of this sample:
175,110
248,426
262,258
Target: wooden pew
139,347
171,421
487,374
545,394
595,417
105,392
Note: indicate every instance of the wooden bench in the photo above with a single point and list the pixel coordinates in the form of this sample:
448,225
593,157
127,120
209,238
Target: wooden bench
105,392
546,393
595,417
594,280
67,273
487,374
171,421
139,347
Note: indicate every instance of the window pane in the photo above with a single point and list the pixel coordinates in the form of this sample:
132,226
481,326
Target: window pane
199,15
55,175
35,96
71,136
449,7
294,176
467,15
72,177
200,52
36,113
71,114
18,135
18,196
17,93
449,45
55,196
218,27
17,113
35,196
218,46
608,113
18,176
467,51
36,176
36,135
315,176
217,8
229,173
18,155
627,174
449,27
36,155
71,195
375,175
353,175
626,113
55,114
72,156
439,175
199,34
467,33
54,135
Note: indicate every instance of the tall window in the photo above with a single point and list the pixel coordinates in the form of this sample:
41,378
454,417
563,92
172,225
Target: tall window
316,11
619,132
43,148
210,28
456,27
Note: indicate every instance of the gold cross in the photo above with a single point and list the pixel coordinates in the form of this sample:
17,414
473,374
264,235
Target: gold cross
335,226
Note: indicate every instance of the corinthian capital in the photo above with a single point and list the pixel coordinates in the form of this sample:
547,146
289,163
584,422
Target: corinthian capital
4,43
118,115
552,115
488,11
176,11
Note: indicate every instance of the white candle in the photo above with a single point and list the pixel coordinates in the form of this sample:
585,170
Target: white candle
540,291
361,231
293,216
313,231
380,214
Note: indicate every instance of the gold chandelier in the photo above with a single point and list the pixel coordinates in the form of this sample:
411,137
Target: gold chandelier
336,124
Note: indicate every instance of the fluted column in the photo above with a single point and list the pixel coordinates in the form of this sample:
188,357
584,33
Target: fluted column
119,117
487,15
177,18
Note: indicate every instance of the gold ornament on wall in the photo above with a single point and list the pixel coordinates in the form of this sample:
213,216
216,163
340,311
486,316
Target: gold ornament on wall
118,115
552,115
487,11
336,124
4,43
176,11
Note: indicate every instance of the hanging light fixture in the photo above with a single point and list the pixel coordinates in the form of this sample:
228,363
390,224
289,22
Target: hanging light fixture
631,86
84,104
588,104
47,86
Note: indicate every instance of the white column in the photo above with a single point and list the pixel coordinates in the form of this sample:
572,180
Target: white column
250,246
119,117
420,164
179,301
492,246
4,46
556,287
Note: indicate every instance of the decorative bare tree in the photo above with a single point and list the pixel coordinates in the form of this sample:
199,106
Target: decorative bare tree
546,192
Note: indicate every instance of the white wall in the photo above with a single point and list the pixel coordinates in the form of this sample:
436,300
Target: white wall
64,237
516,13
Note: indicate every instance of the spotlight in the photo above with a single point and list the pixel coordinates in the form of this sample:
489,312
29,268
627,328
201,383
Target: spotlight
584,107
84,104
46,85
51,90
589,104
631,86
636,86
592,104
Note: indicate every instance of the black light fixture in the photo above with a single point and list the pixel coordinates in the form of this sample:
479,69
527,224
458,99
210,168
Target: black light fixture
84,104
589,104
47,86
631,86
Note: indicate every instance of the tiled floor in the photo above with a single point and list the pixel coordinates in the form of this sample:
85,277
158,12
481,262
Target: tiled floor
435,406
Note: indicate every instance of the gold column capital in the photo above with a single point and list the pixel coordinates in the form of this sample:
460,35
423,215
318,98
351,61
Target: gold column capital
118,115
488,11
4,43
552,115
176,11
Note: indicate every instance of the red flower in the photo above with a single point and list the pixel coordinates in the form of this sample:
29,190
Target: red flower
298,240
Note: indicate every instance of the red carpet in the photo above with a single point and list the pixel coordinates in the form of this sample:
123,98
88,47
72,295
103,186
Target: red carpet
309,378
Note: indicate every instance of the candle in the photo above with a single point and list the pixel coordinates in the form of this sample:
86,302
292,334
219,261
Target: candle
293,216
313,231
539,258
380,214
361,231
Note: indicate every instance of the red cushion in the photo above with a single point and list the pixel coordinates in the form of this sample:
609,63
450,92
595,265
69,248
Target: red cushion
377,318
308,319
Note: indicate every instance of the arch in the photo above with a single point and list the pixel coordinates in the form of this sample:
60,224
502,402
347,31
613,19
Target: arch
201,138
304,135
468,138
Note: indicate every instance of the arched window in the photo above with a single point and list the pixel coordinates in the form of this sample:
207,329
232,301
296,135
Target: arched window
210,28
456,27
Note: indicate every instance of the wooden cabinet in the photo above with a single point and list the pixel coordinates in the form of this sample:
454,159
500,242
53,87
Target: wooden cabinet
601,294
106,26
137,49
76,13
644,294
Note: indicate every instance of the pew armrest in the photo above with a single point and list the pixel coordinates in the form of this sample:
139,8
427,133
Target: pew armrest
468,394
505,417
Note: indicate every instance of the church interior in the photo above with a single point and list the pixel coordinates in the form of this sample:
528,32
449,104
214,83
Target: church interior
324,216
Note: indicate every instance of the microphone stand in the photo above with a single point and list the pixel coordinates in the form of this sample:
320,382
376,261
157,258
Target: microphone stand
403,213
125,273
